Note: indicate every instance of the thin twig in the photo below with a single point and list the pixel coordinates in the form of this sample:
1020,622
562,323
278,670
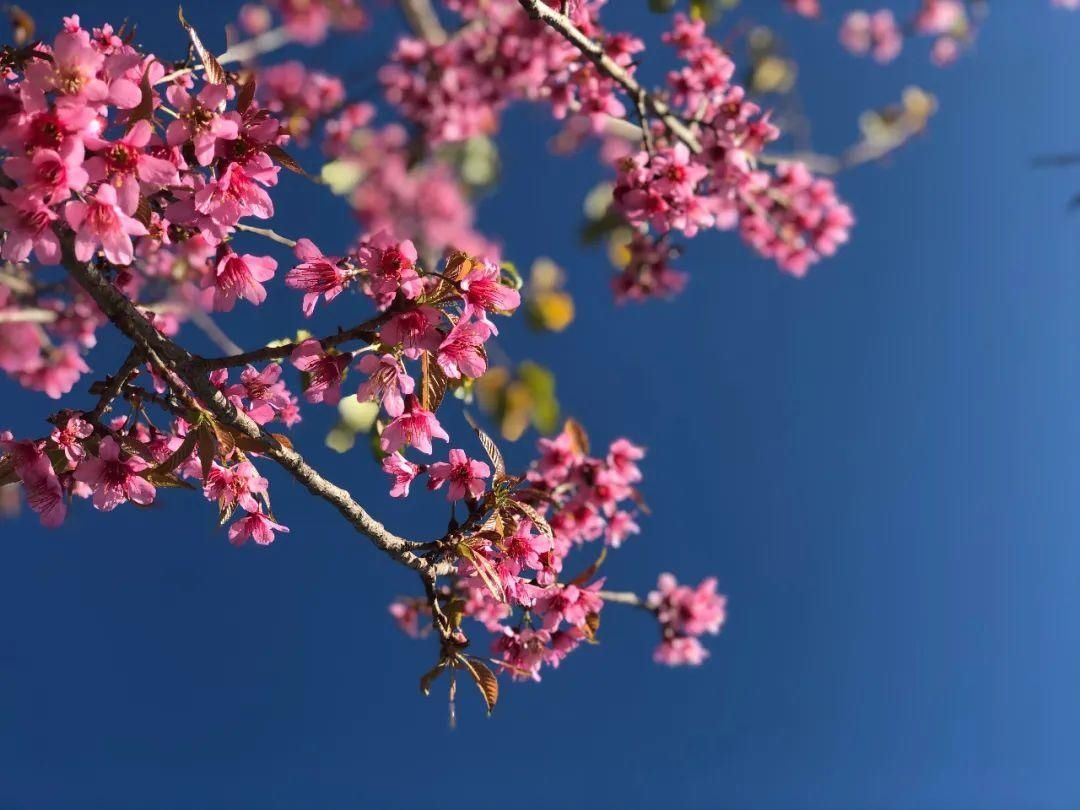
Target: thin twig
592,50
268,233
422,19
240,52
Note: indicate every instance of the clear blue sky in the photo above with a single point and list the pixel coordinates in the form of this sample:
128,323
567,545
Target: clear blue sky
879,463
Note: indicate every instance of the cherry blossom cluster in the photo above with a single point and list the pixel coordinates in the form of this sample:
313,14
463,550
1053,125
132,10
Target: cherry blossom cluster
127,183
299,97
399,194
306,21
787,216
457,89
153,172
685,614
516,539
949,23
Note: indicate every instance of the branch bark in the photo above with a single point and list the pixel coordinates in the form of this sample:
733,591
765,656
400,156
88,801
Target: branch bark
127,318
593,51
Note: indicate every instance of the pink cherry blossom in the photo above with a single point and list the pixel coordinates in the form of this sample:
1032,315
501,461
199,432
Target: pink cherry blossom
403,471
114,477
69,438
256,526
415,427
239,276
461,352
324,371
100,221
414,330
388,382
466,476
317,275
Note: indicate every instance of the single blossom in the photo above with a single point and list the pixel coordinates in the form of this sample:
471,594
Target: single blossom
324,371
317,275
388,383
239,276
466,476
415,427
258,527
114,477
461,353
100,221
403,472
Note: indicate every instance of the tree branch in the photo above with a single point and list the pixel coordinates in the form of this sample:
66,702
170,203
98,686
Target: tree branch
592,50
127,318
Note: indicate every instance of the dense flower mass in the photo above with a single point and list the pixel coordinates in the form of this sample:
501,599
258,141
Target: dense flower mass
135,190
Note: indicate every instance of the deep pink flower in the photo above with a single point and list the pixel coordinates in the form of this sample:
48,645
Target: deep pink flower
622,458
99,221
414,330
323,370
28,222
466,476
484,291
239,276
390,266
461,353
264,390
258,527
125,164
70,437
234,486
569,603
201,120
388,383
403,471
415,427
317,275
114,477
52,174
44,494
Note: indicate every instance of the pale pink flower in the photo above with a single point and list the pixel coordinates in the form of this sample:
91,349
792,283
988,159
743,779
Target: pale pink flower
680,651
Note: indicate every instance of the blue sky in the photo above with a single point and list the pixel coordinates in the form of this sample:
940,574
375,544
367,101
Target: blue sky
878,462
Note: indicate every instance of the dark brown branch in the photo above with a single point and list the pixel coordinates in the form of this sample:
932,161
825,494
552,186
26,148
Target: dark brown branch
592,50
364,332
127,318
